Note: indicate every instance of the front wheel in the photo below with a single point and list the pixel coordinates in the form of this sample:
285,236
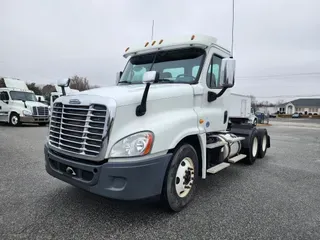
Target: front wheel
181,179
14,119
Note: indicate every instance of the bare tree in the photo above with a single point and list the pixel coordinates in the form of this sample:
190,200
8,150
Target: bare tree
47,90
79,83
33,87
279,102
253,103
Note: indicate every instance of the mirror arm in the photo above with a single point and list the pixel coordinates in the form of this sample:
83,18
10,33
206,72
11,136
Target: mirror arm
142,108
212,96
63,90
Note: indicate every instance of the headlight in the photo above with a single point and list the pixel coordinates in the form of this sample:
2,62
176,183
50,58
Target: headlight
27,113
138,144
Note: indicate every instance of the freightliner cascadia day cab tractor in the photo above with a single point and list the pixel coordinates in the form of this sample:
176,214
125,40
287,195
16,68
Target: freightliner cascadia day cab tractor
161,129
20,105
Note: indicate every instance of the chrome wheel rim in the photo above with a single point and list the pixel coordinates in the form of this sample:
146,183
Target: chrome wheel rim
255,147
184,177
14,120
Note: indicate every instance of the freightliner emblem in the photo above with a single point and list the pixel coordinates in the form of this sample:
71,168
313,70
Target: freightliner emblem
74,101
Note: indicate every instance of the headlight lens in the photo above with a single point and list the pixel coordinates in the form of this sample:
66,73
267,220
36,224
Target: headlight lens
27,113
138,144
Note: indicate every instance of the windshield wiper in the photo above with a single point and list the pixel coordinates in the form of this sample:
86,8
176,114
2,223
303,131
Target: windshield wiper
125,82
164,80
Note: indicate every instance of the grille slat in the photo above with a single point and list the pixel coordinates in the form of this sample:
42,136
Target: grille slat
78,129
40,111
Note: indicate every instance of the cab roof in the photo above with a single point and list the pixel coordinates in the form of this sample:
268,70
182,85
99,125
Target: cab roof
202,41
15,89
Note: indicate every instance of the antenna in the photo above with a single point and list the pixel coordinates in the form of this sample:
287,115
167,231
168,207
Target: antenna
152,30
232,31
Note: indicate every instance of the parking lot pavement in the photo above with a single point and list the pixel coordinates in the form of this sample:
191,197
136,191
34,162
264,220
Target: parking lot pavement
296,120
276,198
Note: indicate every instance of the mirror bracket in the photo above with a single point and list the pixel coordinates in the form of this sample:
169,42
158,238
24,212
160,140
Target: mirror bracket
148,79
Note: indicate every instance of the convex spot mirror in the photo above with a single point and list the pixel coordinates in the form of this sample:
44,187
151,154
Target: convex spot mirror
150,77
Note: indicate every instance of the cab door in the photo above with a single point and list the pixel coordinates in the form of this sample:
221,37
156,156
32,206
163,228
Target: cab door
4,106
214,112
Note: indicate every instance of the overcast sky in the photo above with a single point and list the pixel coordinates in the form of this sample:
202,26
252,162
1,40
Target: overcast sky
44,40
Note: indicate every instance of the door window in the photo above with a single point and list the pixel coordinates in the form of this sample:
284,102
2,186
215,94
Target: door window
213,78
4,96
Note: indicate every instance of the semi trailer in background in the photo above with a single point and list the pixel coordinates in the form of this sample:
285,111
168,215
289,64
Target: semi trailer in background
240,109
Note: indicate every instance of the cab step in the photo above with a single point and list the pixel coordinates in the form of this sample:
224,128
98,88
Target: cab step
237,158
218,168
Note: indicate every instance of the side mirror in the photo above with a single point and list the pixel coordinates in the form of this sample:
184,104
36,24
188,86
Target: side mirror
118,77
150,77
227,72
64,82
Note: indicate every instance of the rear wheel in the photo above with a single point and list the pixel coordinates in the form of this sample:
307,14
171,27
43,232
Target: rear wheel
263,142
181,179
252,150
14,119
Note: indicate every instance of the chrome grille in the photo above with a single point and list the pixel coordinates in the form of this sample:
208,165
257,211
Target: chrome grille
78,129
40,111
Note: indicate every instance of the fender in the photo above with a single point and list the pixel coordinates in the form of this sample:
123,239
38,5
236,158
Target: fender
169,127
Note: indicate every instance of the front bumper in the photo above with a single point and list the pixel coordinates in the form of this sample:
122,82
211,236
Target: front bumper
34,119
124,181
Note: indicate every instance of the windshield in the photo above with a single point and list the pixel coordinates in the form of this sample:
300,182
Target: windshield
174,66
26,96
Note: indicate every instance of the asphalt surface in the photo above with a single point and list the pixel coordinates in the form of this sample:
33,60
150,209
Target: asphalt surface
296,120
276,198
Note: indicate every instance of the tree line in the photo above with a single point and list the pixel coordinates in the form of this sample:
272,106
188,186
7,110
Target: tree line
78,83
256,104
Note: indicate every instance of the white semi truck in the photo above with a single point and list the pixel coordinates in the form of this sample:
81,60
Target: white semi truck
19,105
159,130
240,109
59,92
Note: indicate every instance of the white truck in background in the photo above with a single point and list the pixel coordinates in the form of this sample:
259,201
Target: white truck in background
59,92
240,109
19,105
161,128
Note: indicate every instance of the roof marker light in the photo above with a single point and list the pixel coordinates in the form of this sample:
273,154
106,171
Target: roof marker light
192,37
147,43
153,42
127,49
161,41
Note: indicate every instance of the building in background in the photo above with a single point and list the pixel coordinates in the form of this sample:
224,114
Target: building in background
307,106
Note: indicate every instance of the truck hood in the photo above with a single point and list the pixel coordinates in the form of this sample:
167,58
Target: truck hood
132,94
29,104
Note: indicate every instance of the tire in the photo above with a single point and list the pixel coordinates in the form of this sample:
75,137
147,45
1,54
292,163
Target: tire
263,142
252,151
184,157
15,119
